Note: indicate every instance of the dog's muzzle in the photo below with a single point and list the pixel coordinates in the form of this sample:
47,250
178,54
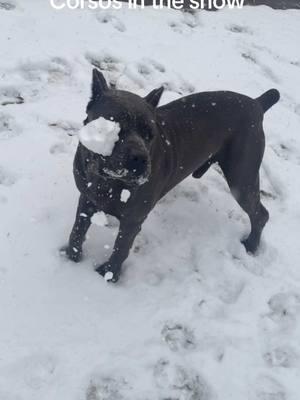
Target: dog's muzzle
128,177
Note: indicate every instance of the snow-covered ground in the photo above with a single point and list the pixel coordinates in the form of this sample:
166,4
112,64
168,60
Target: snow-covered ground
194,317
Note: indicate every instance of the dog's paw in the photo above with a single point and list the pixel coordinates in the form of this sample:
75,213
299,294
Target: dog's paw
250,245
109,273
72,253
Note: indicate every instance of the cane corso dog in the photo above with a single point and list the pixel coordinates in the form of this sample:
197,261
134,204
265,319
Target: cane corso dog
157,148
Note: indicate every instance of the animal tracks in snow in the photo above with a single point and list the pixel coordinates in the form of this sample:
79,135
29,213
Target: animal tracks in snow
38,370
241,29
105,62
182,87
178,337
68,127
110,19
286,152
34,372
112,66
142,74
65,131
176,381
172,380
186,23
281,356
6,177
10,95
250,57
32,77
59,148
7,5
275,56
107,388
55,70
268,388
8,127
279,350
284,305
229,284
297,109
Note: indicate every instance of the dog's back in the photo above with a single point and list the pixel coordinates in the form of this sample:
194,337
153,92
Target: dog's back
197,127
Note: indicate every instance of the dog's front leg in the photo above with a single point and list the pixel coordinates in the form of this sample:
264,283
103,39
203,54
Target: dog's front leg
85,211
127,232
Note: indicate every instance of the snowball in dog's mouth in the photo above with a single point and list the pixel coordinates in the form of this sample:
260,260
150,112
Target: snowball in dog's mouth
100,136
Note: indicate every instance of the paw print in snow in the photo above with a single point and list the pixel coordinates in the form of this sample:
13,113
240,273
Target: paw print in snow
178,336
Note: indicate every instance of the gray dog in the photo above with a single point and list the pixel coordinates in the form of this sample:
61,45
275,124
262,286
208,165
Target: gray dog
158,147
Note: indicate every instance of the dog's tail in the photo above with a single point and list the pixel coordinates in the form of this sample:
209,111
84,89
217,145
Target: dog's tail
268,99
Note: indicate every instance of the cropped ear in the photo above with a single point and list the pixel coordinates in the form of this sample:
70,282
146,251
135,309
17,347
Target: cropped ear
99,85
154,96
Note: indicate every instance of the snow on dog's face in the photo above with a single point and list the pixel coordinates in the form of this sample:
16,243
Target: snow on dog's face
119,130
100,136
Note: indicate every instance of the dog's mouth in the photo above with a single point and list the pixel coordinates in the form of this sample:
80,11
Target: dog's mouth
104,169
118,174
124,175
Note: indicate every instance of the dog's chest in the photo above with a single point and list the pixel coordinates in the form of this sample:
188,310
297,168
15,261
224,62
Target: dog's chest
108,196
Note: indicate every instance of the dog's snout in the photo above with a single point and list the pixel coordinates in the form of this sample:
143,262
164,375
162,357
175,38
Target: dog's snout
137,164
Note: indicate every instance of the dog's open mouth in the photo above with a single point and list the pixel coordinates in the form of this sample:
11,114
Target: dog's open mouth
118,174
125,176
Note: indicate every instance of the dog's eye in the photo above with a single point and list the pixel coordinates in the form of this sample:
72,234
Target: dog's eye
146,133
149,135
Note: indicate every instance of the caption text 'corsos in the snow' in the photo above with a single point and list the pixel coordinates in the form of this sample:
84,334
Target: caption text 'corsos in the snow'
156,4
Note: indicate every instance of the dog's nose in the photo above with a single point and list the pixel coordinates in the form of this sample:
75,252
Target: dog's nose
137,164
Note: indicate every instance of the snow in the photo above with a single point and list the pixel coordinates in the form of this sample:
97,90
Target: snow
100,136
99,219
125,194
193,315
108,276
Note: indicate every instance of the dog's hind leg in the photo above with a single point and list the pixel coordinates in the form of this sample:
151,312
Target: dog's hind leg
240,165
249,199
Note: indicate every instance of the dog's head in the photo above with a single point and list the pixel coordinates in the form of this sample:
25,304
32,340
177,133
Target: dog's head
130,159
